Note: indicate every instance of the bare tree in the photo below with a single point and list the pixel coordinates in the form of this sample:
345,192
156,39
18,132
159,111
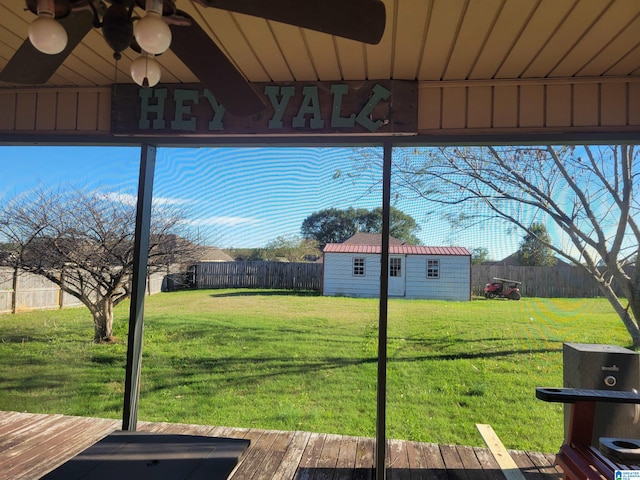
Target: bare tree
83,242
586,191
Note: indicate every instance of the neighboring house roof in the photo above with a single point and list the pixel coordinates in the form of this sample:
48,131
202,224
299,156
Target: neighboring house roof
214,254
7,257
362,238
396,249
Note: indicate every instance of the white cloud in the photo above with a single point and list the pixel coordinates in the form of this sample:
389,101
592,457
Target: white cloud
129,199
224,221
124,198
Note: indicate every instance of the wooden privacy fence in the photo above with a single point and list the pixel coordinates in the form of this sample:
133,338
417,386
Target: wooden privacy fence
289,276
21,291
560,281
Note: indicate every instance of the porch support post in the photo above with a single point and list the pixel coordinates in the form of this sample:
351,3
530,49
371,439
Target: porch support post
381,414
136,311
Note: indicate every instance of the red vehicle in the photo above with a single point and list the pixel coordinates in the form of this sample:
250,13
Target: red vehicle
503,288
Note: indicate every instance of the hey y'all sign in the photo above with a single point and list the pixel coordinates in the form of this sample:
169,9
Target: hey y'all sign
371,107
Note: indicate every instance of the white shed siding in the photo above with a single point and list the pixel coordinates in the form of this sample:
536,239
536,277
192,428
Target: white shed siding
338,276
453,283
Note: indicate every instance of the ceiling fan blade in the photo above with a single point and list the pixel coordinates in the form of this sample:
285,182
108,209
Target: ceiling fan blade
30,66
361,20
214,70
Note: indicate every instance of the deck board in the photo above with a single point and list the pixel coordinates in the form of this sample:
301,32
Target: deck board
471,464
489,464
453,463
346,460
432,461
291,459
365,458
32,445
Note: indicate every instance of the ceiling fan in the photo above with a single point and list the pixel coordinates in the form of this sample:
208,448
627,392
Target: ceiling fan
360,20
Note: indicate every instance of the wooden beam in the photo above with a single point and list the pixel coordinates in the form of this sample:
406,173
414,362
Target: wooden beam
499,452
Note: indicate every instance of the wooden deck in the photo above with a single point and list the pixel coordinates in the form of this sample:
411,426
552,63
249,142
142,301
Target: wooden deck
32,445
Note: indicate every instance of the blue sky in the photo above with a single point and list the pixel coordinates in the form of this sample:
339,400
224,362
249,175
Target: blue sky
235,197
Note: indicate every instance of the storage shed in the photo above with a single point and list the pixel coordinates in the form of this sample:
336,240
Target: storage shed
438,273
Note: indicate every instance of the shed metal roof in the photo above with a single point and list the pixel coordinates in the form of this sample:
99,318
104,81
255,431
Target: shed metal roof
364,238
396,249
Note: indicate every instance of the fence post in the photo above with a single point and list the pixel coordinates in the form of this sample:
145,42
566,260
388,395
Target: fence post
14,292
60,290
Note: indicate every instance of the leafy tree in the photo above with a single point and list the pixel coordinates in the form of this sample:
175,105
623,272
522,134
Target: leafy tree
292,248
479,255
401,225
83,242
334,225
533,250
588,192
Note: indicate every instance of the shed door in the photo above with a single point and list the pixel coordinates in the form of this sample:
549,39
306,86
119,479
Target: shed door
396,276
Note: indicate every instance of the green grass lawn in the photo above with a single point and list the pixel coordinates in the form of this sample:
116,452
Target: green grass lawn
278,360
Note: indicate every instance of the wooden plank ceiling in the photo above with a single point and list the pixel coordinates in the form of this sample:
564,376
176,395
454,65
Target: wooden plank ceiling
426,40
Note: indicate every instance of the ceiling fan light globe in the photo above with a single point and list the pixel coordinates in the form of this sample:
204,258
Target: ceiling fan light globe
145,71
152,33
47,35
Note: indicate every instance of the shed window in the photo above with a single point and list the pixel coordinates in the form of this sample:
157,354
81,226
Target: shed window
433,268
395,267
358,267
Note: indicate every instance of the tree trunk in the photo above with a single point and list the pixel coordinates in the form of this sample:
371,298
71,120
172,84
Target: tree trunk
103,321
629,283
626,318
634,291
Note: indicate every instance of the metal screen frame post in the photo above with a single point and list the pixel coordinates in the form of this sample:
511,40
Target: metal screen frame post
381,414
138,287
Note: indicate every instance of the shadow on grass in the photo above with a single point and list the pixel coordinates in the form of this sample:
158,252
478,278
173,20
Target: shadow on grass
29,383
476,355
242,372
266,293
224,358
437,343
22,339
107,360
